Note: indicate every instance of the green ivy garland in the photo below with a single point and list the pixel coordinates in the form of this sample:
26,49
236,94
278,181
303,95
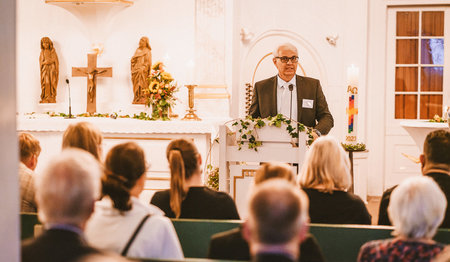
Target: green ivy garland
212,174
354,147
249,125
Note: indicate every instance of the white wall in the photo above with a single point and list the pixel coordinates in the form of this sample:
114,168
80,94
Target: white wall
168,24
9,206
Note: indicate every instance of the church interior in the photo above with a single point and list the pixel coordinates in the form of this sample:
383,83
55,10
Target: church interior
382,65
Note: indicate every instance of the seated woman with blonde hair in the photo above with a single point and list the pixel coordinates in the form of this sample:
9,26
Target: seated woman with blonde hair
84,135
187,196
325,178
416,210
121,223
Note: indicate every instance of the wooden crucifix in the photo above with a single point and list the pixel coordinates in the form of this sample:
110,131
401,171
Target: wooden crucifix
92,72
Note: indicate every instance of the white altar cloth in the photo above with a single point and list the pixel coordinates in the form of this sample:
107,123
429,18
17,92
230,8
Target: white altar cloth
419,129
121,125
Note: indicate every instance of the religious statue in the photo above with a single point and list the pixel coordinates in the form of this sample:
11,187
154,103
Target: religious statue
49,64
141,64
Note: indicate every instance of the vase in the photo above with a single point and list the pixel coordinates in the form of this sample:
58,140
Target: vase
160,112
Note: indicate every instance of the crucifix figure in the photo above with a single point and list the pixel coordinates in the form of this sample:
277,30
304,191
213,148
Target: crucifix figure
92,72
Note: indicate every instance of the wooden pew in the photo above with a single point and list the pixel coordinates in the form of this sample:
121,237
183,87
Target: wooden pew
338,242
27,223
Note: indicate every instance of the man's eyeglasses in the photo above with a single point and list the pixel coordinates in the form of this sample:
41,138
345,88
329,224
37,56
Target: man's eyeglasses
285,59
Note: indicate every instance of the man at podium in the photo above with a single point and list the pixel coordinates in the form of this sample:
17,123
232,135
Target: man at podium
297,97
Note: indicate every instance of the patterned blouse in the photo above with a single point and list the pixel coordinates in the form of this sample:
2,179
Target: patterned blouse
399,250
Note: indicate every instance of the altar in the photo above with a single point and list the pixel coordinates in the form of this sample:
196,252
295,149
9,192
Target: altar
419,129
153,136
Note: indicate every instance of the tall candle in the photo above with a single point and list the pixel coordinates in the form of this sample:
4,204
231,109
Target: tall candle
352,75
352,109
190,78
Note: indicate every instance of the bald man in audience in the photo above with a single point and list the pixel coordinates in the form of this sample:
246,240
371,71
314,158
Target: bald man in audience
277,222
435,162
231,245
30,149
65,193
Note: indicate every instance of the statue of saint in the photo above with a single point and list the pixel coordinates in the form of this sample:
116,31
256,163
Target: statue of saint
141,64
49,64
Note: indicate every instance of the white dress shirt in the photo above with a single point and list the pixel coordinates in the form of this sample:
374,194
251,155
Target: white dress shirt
284,97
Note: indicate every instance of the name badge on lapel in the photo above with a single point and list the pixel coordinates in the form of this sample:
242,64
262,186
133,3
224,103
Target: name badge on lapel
307,103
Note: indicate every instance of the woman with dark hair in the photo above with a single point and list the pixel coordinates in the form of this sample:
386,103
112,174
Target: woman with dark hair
121,223
187,196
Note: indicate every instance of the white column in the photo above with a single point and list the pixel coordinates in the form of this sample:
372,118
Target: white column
9,193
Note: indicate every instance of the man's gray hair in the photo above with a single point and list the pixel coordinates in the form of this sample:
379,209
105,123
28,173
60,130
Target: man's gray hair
68,187
288,46
278,211
417,207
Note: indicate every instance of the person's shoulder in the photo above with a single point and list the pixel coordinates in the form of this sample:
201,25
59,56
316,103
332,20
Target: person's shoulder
308,79
231,234
160,195
216,194
266,81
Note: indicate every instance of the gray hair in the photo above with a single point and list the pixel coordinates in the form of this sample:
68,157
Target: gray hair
289,46
417,207
68,187
278,210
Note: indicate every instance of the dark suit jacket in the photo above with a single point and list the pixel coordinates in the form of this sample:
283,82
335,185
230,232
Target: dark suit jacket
56,245
264,102
272,258
442,179
231,245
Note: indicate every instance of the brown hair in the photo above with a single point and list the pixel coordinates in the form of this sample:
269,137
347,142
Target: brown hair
436,147
28,146
182,156
83,135
124,165
274,170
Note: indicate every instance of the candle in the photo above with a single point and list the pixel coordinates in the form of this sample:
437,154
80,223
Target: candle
352,75
190,72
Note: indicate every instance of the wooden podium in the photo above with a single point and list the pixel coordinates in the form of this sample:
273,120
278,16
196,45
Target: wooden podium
237,167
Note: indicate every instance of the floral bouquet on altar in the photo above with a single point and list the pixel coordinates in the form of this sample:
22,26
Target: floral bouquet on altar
160,93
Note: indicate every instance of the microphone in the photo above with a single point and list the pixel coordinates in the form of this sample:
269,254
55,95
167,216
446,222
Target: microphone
70,101
291,88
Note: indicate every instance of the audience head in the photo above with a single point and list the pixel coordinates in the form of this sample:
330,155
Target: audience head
184,161
125,168
326,166
278,215
68,187
417,207
274,170
29,150
84,135
436,149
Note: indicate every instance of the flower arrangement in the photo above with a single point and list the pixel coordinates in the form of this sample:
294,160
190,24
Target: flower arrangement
160,93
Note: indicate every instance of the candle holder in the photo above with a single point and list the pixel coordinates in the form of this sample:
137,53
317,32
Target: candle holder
191,116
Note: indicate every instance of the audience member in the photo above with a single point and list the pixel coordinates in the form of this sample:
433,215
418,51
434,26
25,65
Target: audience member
84,135
29,154
416,210
65,193
325,178
123,224
435,162
231,245
187,196
277,222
